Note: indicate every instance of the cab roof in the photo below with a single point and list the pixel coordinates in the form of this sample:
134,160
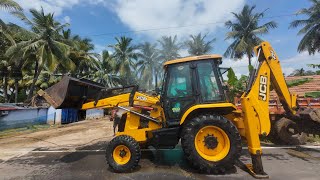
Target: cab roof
193,58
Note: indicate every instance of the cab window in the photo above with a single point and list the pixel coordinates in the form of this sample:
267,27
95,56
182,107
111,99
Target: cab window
179,84
208,82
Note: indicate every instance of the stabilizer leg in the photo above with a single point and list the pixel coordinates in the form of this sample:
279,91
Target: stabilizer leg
256,168
252,120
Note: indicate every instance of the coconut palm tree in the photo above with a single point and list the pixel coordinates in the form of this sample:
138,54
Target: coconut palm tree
4,72
245,32
45,80
18,34
311,28
46,47
169,48
148,63
105,73
125,56
81,53
5,66
197,45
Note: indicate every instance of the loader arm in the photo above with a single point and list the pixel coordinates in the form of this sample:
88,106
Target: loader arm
126,99
255,101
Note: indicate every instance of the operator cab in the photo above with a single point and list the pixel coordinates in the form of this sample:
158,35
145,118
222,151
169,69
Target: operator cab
191,81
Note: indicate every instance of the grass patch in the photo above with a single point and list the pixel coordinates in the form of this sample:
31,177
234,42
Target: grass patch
29,128
298,82
315,94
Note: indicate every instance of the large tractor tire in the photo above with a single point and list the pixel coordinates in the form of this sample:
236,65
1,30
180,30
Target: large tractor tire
289,133
211,143
123,153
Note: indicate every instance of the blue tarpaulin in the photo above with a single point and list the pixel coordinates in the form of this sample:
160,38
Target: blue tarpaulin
69,116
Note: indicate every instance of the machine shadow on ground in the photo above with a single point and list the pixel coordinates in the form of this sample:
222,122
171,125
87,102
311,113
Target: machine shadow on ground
167,158
164,158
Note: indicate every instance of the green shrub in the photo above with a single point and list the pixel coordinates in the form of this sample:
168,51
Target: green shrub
315,94
298,82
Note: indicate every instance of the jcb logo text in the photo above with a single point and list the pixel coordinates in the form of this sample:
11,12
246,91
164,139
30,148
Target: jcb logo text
263,88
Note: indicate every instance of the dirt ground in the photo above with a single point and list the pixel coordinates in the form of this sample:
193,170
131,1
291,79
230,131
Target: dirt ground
69,137
77,151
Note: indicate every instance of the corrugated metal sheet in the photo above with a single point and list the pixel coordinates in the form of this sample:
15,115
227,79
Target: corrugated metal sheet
7,108
10,107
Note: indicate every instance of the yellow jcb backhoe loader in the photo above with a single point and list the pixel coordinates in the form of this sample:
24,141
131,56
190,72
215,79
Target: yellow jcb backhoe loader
193,107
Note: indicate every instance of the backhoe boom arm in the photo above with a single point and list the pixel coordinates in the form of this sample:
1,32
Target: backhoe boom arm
255,102
287,99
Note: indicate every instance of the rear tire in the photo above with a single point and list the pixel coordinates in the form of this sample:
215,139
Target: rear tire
123,153
288,132
212,156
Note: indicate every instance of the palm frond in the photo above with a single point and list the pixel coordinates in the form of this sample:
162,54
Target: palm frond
10,5
22,17
310,29
297,23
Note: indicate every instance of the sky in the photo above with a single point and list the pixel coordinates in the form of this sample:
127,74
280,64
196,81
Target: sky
148,20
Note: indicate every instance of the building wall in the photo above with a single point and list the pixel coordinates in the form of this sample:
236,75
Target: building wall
94,113
54,116
23,117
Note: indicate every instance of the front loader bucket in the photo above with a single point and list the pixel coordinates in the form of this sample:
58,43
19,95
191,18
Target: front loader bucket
71,92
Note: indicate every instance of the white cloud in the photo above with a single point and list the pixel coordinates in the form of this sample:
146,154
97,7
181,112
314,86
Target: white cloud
239,66
303,58
287,70
299,61
52,6
67,19
196,15
288,65
55,6
184,52
146,14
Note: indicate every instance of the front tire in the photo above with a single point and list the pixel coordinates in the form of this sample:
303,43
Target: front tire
123,153
211,143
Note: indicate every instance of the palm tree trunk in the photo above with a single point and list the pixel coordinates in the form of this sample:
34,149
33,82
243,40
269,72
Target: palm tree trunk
250,67
35,78
151,80
249,58
16,89
156,80
5,87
